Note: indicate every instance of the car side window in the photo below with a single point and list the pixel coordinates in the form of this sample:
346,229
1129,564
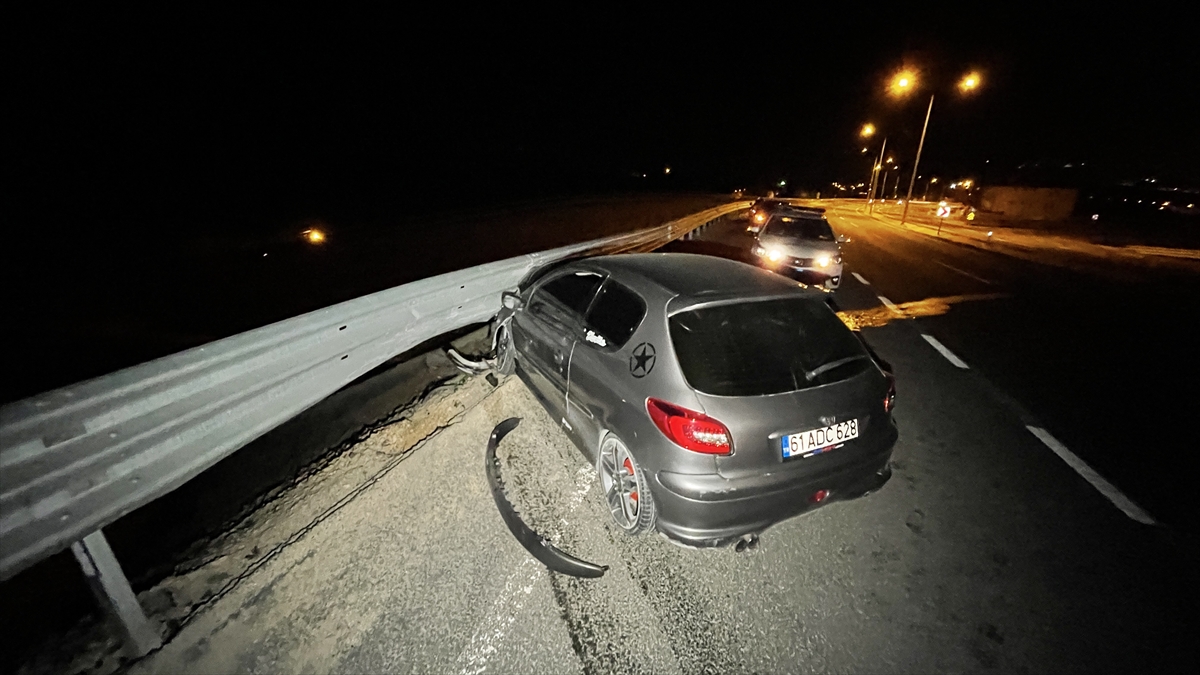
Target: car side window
614,316
569,294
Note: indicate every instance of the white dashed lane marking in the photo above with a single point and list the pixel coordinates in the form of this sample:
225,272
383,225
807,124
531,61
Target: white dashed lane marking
950,356
952,268
1110,491
1089,474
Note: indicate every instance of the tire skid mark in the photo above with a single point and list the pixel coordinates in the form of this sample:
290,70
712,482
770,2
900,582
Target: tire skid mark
596,633
701,641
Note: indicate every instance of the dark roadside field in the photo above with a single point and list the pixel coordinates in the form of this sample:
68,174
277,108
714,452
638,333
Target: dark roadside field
93,302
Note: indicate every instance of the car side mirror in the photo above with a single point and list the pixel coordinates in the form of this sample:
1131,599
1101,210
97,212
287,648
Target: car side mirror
842,239
511,300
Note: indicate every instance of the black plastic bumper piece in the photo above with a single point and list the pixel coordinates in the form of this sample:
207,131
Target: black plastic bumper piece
533,542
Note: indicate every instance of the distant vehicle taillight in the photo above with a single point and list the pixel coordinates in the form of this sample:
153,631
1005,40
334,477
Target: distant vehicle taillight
689,429
889,401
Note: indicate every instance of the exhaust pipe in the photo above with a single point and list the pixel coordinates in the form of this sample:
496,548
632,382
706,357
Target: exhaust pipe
748,542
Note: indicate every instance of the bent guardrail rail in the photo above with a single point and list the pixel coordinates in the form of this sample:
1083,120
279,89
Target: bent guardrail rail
78,458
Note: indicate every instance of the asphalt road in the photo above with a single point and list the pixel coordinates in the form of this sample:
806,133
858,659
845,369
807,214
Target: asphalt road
985,552
1101,352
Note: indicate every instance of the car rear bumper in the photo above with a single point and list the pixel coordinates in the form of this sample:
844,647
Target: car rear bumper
709,510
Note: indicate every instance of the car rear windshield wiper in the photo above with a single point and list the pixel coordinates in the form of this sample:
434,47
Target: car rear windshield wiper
824,368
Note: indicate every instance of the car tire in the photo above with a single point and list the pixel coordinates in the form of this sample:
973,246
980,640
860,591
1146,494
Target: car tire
628,498
506,357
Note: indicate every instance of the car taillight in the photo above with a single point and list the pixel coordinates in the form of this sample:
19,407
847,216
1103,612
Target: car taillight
889,401
689,429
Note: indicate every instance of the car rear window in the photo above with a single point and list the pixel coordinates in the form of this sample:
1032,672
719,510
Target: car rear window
800,227
764,347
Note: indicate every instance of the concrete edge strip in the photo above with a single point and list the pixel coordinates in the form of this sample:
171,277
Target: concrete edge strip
889,304
1089,474
950,356
337,505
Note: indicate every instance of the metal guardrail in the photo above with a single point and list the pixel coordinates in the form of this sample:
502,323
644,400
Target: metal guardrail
78,458
1187,253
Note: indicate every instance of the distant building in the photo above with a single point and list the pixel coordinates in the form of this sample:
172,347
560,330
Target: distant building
1028,203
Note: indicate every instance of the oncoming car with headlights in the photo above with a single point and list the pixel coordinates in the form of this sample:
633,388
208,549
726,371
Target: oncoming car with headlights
801,245
713,398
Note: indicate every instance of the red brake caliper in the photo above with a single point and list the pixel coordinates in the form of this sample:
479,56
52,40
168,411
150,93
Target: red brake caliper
629,467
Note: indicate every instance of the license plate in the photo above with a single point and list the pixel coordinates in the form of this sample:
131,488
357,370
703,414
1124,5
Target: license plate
816,441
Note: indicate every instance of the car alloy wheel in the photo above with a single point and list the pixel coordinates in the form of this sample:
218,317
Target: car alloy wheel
625,491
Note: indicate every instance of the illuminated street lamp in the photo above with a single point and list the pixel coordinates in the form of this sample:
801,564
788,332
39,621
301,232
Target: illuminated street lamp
903,82
969,83
868,130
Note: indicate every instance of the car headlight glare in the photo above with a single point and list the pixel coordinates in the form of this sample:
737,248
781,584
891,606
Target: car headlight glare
823,261
774,255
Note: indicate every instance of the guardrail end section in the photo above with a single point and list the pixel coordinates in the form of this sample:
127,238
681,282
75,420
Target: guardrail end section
108,583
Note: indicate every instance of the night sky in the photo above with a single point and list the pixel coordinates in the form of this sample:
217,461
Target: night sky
141,121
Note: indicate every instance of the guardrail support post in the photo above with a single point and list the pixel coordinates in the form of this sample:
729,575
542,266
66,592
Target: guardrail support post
107,581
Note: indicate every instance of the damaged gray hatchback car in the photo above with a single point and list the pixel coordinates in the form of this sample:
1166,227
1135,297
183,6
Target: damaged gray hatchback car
713,397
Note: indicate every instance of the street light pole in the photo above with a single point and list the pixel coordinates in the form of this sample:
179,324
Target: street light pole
875,178
917,163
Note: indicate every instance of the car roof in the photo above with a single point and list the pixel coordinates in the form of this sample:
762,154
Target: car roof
786,215
802,211
694,278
